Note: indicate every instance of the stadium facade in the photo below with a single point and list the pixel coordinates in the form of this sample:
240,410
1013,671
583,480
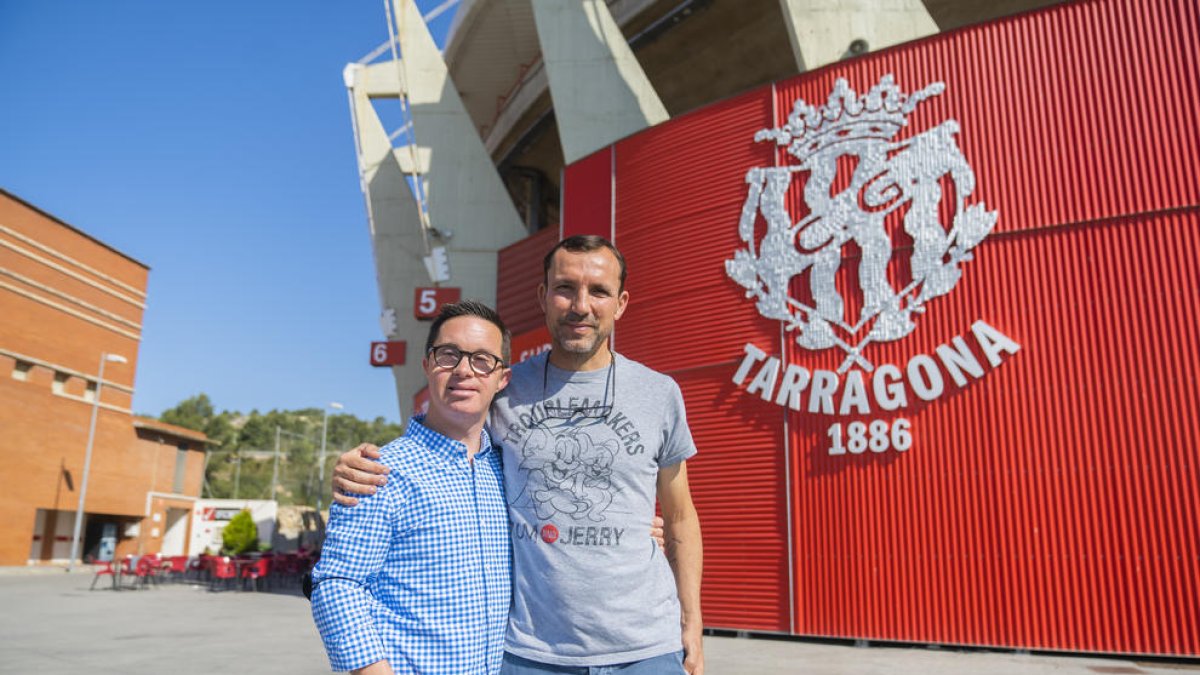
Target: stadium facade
926,273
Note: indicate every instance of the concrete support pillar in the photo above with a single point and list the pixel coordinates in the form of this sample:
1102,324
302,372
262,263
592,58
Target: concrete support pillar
822,31
466,200
599,90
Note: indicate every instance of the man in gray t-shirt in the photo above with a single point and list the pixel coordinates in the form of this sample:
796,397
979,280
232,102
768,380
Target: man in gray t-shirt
590,439
582,455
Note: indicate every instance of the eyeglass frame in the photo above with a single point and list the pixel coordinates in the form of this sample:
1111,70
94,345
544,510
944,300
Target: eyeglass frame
500,364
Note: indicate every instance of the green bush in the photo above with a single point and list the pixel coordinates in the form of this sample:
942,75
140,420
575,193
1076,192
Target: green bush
240,535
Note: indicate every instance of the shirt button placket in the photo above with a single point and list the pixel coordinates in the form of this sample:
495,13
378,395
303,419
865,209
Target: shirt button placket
479,548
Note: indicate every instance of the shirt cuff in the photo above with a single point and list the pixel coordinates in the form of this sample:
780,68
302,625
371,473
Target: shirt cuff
357,649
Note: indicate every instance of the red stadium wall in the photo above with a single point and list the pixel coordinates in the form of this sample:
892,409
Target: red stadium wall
1051,501
518,273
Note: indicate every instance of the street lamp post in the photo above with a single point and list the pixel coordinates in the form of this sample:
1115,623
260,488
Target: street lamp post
279,430
237,473
275,470
321,464
87,457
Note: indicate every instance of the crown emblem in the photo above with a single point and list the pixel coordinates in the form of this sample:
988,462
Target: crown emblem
900,177
846,117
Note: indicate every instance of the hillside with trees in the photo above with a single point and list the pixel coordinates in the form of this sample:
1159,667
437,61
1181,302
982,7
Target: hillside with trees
242,459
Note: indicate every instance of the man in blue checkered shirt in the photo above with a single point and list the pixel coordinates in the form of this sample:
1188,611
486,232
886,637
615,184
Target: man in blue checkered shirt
416,579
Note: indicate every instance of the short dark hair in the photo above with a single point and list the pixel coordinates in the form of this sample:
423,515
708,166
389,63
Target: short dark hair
477,309
583,243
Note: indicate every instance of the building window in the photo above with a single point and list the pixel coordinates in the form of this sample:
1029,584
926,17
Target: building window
21,370
60,383
89,393
180,468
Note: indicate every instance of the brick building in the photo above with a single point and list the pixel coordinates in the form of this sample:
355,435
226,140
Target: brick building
66,299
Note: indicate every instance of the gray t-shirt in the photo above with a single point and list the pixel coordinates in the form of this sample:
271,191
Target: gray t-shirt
581,454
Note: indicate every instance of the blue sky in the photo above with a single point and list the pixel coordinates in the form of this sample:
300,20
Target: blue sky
211,141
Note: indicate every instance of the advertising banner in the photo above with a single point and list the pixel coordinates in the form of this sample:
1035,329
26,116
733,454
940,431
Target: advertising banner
210,516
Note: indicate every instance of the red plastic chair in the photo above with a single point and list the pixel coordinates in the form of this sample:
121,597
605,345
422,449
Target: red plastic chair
126,569
289,567
146,570
197,568
175,567
222,571
102,568
259,569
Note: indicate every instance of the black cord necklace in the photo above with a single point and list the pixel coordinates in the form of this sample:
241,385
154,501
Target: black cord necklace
592,411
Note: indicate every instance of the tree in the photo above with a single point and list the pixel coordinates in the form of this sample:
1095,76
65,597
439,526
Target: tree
240,535
197,413
193,413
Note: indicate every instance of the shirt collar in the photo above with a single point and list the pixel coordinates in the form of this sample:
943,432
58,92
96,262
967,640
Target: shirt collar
557,374
443,446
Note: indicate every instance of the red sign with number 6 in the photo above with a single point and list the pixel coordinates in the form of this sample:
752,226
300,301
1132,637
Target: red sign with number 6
428,301
388,353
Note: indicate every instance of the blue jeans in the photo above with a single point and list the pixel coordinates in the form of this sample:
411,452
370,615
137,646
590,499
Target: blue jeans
667,664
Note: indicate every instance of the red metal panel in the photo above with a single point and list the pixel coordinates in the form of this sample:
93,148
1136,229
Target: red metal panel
518,273
588,196
738,485
674,241
681,189
1051,504
420,401
530,343
1070,114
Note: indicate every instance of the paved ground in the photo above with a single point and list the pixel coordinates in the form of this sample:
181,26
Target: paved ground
51,624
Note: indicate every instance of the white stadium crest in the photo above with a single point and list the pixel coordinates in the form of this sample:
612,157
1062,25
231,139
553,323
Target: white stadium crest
858,175
888,175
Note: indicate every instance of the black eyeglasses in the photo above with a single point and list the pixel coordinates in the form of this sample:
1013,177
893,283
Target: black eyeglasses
449,356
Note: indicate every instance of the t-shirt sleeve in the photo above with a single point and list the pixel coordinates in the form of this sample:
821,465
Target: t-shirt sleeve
677,442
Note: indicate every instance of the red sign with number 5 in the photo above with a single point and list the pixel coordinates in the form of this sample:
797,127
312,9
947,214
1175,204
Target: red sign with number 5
388,353
428,301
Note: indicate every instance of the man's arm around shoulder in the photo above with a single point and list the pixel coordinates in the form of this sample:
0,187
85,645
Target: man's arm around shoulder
358,472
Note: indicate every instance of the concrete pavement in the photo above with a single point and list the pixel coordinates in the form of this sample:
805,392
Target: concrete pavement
51,624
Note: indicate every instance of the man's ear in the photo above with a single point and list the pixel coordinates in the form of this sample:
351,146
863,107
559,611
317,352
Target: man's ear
541,293
622,302
505,377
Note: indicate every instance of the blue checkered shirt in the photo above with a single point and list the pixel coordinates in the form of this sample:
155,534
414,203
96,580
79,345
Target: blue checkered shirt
418,573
